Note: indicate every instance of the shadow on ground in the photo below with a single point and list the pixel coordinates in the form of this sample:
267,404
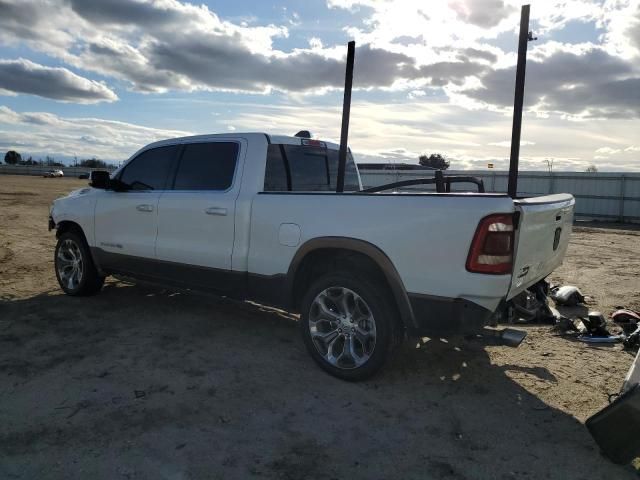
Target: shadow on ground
143,383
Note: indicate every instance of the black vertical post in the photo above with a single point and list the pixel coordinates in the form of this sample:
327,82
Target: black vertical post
518,101
346,110
439,181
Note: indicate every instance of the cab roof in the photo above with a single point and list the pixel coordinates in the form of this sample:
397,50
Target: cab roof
277,139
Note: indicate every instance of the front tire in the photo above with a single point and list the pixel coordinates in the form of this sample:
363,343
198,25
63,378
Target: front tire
348,325
75,270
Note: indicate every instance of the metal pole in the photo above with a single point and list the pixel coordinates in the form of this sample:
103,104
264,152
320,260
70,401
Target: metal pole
346,110
518,100
621,215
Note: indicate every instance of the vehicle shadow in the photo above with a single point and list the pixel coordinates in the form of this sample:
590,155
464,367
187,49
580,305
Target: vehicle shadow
141,382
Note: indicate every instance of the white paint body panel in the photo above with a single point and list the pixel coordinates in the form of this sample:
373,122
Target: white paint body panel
289,234
198,227
188,234
120,227
535,256
417,232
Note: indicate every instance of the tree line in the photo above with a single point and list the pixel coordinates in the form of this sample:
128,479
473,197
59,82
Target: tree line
439,162
14,158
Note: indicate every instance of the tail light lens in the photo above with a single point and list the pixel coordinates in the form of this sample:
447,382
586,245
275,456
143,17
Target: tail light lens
492,247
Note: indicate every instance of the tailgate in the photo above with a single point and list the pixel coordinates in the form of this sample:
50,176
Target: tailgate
542,238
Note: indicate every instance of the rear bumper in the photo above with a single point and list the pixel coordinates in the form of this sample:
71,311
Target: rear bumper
446,316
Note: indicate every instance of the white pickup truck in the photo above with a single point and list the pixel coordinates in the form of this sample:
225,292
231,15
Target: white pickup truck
256,216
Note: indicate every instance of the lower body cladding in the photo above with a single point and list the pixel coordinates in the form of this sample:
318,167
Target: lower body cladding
446,316
432,315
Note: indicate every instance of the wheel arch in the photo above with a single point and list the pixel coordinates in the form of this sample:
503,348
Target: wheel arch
330,247
69,226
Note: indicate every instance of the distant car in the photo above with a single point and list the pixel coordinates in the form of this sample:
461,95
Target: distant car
54,173
83,176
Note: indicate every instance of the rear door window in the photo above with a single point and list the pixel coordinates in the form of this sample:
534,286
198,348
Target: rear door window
207,166
150,169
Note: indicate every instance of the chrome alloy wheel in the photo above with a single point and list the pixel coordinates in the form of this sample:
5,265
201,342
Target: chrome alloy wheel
69,264
342,327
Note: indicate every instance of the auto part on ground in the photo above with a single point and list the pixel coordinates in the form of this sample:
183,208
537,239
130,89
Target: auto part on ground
590,329
509,337
627,319
531,306
615,428
603,339
594,324
512,337
593,329
633,340
567,295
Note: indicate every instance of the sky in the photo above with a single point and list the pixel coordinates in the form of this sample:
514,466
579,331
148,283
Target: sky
85,78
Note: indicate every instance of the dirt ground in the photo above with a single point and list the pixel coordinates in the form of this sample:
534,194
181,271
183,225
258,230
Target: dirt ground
144,383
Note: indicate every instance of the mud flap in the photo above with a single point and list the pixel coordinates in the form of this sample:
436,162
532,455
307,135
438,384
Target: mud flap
616,428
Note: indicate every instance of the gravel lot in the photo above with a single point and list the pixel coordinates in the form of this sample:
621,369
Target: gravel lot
144,383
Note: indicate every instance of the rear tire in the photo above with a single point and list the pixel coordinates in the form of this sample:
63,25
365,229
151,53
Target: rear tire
348,325
75,270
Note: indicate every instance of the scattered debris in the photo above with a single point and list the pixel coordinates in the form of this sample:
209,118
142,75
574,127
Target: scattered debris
602,339
140,393
633,339
615,427
627,319
531,306
567,295
594,325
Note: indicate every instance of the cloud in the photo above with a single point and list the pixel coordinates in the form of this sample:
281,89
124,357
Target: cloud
24,76
133,12
585,83
195,62
169,45
483,13
149,45
606,152
417,63
381,132
41,133
507,143
620,20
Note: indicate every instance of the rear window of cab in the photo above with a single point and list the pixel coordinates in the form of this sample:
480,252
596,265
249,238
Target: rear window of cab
305,168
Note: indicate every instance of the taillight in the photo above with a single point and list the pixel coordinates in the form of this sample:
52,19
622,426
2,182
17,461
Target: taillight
492,247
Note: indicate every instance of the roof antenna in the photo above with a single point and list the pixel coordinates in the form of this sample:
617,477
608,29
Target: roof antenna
525,37
346,110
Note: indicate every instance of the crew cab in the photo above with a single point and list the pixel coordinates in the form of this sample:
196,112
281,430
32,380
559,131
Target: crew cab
256,216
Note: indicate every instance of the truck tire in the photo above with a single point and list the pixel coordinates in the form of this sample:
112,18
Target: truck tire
348,325
75,270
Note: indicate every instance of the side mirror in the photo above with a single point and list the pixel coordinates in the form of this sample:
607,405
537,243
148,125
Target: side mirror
100,179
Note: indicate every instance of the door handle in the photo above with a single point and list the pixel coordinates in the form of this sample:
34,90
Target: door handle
144,208
216,211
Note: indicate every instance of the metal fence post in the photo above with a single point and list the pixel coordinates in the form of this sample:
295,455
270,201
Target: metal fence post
622,185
